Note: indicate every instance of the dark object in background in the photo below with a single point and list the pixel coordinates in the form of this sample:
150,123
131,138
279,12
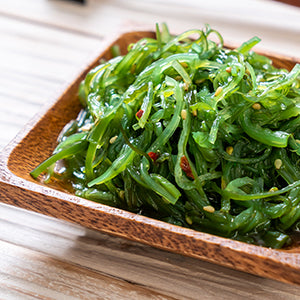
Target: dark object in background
291,2
78,1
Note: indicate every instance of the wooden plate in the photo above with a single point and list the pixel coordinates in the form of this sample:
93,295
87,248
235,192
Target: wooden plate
37,141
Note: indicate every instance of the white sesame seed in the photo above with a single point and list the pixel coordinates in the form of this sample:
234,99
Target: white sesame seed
86,127
209,208
183,114
186,86
113,139
184,64
229,150
218,91
256,106
278,163
228,69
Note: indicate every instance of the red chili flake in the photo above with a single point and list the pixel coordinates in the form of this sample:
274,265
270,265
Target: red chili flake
139,113
154,156
185,166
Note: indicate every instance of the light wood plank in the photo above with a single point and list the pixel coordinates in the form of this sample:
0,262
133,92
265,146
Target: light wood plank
39,276
276,23
37,63
166,273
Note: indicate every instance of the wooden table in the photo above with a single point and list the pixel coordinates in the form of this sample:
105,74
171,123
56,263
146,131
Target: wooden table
43,45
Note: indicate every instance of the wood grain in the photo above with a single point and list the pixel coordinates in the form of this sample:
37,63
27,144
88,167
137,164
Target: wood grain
70,245
23,155
54,39
36,64
57,279
236,21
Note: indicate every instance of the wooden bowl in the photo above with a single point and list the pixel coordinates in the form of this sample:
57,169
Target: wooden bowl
37,141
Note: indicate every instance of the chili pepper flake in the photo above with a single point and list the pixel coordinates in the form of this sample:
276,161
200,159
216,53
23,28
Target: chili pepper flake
153,155
139,113
228,69
185,166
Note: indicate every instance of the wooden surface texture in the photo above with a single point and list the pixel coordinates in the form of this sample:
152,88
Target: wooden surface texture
43,46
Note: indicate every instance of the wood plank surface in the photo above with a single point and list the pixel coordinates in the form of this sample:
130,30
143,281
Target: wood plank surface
43,45
38,250
276,23
37,63
35,275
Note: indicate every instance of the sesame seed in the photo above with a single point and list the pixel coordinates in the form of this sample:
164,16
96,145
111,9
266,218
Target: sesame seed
86,127
229,150
183,114
189,220
256,106
228,69
186,86
113,139
278,163
209,208
218,91
194,112
184,64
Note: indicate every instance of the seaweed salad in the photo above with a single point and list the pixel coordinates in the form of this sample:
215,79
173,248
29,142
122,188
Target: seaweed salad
183,130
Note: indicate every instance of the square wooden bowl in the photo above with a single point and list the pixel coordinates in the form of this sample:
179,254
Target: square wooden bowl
36,142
